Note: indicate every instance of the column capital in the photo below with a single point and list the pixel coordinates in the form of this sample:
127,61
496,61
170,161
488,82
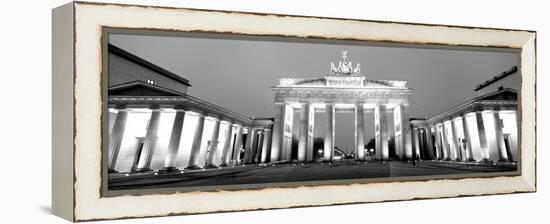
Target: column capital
228,122
117,110
453,118
199,114
215,118
382,103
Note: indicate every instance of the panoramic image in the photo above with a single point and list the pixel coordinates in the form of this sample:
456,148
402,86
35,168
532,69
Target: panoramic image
204,110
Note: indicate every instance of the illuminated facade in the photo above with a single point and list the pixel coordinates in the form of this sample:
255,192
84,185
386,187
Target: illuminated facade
483,129
154,125
156,128
345,90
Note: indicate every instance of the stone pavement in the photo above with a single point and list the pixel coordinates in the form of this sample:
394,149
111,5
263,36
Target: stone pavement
254,174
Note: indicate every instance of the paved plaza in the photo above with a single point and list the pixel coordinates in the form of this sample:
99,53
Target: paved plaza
270,173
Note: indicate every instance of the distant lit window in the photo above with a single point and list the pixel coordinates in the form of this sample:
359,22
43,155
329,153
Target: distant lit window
151,82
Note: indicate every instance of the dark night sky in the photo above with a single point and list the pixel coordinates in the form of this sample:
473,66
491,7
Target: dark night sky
237,74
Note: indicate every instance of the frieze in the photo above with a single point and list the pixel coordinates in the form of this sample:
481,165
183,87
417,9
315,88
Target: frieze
193,104
478,106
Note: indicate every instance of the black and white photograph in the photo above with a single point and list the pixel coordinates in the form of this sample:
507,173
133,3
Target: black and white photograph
275,112
225,111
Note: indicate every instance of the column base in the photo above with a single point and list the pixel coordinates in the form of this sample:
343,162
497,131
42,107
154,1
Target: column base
486,161
170,169
112,171
141,170
193,167
211,166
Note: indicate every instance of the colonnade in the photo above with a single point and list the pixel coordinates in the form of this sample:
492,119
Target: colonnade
256,144
482,135
281,145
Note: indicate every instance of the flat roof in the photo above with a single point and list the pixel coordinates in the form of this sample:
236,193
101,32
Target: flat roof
132,57
500,76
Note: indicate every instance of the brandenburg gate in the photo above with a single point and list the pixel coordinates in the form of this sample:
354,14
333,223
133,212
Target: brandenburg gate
344,90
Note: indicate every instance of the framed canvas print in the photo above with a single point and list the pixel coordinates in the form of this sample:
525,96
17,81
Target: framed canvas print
166,111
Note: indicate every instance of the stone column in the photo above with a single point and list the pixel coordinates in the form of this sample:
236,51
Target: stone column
266,146
482,136
288,125
429,143
381,132
259,146
213,151
415,141
115,138
311,129
328,151
196,146
277,135
513,138
446,145
174,142
503,155
150,141
456,144
238,144
406,132
421,152
359,132
399,133
226,153
303,133
438,143
467,139
251,139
